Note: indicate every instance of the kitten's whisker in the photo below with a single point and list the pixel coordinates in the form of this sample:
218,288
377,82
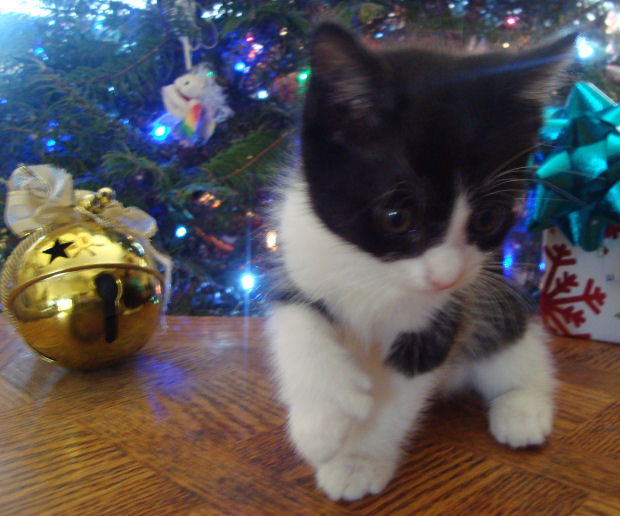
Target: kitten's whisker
500,168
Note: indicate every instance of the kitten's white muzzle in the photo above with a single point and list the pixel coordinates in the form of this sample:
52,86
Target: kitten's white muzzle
444,267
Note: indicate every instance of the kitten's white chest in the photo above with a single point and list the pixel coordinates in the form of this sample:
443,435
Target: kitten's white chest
373,299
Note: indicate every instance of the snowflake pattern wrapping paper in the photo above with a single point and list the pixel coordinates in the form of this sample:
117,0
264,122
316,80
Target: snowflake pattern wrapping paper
580,290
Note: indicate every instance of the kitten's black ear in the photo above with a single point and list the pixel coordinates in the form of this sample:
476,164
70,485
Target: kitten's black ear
349,75
541,69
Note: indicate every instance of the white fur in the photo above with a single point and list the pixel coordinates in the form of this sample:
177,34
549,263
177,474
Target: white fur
518,384
376,299
349,414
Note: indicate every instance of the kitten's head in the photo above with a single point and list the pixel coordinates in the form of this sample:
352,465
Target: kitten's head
419,156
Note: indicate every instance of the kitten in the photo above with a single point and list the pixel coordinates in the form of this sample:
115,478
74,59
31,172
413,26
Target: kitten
391,288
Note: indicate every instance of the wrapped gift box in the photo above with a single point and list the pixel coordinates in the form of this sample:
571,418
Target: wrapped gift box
580,290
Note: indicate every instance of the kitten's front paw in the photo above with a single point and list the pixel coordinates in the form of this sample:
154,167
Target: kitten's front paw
350,388
319,434
319,426
351,477
521,418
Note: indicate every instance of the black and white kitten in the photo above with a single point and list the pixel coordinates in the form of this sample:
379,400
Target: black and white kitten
388,232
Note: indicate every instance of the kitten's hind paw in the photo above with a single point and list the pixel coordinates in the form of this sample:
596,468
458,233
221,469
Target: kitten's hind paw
351,477
521,417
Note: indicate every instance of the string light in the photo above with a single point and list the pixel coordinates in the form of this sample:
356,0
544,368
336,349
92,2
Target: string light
303,76
262,94
160,132
239,66
271,240
247,281
584,48
511,21
180,232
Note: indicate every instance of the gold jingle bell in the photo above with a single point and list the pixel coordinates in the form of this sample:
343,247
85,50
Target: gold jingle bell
86,296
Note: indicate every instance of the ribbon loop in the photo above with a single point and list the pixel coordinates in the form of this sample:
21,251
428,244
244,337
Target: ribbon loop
41,195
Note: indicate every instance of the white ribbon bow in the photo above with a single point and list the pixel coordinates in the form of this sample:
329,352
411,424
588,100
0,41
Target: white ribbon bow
40,195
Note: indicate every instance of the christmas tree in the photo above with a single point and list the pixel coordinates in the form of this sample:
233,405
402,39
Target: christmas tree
81,88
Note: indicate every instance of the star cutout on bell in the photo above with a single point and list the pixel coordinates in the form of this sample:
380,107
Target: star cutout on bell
57,250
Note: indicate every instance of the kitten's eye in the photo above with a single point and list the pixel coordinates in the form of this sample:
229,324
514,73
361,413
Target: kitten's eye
488,220
396,220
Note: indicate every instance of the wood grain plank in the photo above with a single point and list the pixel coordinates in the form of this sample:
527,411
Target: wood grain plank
64,469
586,354
596,506
556,460
599,436
191,425
11,396
576,404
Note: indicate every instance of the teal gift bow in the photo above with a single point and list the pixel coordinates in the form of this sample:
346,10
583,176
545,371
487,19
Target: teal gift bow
579,182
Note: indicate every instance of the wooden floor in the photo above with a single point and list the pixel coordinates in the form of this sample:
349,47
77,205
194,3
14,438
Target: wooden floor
191,426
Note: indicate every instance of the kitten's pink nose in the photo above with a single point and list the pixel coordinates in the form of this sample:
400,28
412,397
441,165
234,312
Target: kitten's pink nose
443,285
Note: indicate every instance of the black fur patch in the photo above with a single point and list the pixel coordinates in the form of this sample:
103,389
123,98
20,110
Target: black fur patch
401,133
419,352
293,296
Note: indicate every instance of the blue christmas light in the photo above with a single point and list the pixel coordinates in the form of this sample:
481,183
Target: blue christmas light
247,281
99,26
542,266
378,35
240,66
38,51
111,89
125,121
3,101
50,143
160,132
180,232
585,49
262,94
508,261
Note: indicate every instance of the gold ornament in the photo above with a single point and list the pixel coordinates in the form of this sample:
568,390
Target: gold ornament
83,287
83,295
